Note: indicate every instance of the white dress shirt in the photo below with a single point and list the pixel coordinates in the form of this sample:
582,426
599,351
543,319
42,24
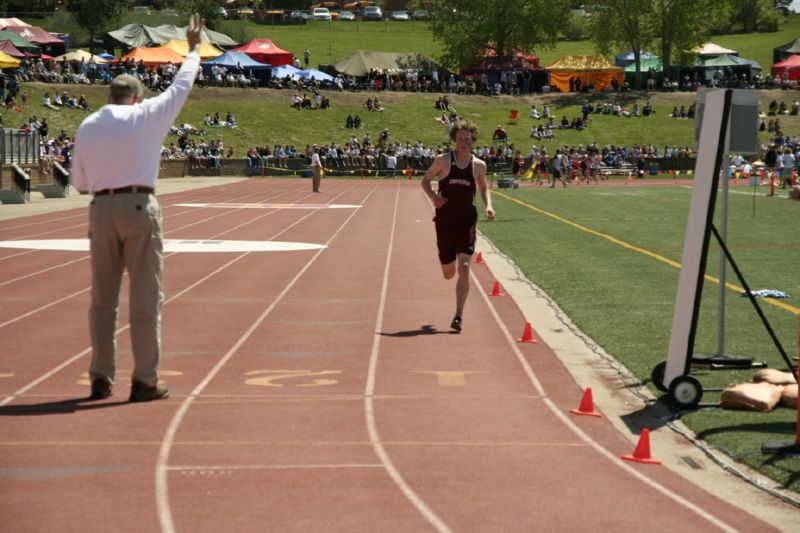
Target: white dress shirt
119,145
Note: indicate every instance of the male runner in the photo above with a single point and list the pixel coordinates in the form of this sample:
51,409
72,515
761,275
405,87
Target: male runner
459,173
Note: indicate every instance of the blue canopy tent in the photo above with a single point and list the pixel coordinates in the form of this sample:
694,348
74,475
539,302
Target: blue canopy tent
318,75
106,55
626,58
240,60
286,70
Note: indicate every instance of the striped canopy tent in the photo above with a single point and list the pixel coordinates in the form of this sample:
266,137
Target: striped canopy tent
36,35
78,55
6,61
589,69
21,44
153,56
207,50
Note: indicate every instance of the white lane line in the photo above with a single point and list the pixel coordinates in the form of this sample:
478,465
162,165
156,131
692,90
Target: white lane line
11,397
272,206
680,500
369,391
170,245
161,478
275,467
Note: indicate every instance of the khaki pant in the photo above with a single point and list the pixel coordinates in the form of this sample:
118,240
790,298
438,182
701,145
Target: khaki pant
125,233
316,177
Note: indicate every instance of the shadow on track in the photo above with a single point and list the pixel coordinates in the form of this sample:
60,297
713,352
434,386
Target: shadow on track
60,407
427,329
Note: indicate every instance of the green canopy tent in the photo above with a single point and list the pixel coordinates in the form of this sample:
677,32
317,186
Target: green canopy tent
646,64
360,63
139,35
21,44
726,64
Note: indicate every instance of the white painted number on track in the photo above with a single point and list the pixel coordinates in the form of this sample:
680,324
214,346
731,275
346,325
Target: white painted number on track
266,378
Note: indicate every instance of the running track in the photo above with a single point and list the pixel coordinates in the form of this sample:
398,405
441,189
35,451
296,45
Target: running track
313,390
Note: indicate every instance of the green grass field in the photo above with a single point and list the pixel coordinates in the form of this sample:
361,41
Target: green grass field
624,299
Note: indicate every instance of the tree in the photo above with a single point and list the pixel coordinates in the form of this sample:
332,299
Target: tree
208,9
681,25
467,28
96,15
621,22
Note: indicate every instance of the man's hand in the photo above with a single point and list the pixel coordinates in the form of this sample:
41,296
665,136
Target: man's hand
193,33
489,213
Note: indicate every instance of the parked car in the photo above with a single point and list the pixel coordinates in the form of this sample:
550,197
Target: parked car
420,14
141,10
321,13
245,13
373,13
222,12
347,15
400,15
299,15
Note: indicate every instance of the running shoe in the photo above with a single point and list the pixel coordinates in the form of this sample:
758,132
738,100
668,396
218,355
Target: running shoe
456,323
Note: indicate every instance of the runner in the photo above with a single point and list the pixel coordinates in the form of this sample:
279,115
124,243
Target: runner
459,173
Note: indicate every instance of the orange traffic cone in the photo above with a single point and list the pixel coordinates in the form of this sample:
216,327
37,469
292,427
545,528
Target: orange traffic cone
496,290
587,405
642,452
527,334
479,259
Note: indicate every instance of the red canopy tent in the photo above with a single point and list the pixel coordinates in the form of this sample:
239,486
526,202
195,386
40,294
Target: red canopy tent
791,65
9,48
35,35
265,51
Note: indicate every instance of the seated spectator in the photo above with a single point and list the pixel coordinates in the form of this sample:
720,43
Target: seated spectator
783,109
296,101
795,108
47,103
535,112
635,111
83,103
377,105
230,122
647,110
500,134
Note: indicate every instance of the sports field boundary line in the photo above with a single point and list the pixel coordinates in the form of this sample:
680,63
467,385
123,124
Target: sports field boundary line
794,310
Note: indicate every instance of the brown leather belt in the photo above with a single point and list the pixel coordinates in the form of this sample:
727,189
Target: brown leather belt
133,189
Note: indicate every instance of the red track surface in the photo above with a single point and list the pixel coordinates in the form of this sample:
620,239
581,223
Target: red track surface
312,390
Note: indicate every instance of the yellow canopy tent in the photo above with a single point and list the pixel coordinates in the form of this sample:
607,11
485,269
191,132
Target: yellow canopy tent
207,50
6,61
595,69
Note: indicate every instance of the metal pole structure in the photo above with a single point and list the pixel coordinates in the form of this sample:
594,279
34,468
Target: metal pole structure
722,260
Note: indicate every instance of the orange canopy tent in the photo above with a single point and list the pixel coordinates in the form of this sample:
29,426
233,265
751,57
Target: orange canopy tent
154,56
595,69
207,50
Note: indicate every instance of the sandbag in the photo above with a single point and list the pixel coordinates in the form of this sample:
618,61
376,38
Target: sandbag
751,397
789,396
776,377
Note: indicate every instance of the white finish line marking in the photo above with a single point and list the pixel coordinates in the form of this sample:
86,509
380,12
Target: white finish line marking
273,206
172,245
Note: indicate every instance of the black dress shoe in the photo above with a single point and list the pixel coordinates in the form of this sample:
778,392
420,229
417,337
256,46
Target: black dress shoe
101,389
143,393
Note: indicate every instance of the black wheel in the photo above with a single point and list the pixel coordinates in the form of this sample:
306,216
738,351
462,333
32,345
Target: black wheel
657,376
686,391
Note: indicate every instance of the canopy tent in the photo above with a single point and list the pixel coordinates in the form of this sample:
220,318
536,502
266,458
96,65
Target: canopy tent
361,62
139,35
237,60
626,58
285,70
12,22
207,51
738,65
790,65
596,70
493,66
21,44
711,49
77,55
9,48
318,75
106,55
36,35
646,64
6,61
782,52
153,56
266,51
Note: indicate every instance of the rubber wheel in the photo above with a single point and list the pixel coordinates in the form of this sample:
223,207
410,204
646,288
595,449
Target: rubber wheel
657,376
686,391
